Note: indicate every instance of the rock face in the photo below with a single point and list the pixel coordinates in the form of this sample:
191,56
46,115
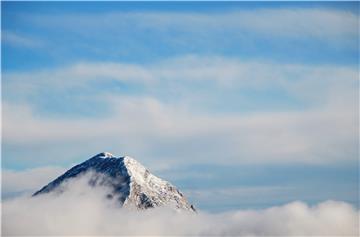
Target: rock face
128,181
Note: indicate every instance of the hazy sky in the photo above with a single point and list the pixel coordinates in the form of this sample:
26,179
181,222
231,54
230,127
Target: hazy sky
240,105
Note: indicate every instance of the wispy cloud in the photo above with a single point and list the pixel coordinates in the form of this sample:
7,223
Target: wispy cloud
324,24
324,130
163,131
27,180
286,34
315,83
19,40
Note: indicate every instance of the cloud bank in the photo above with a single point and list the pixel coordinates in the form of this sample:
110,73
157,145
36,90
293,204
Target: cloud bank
162,117
82,210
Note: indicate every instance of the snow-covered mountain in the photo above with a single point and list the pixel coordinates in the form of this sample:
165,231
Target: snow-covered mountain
128,181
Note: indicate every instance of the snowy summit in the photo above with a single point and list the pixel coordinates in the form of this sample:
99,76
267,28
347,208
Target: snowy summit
129,181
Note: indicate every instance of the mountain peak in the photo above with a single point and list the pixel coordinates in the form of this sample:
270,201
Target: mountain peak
127,179
105,154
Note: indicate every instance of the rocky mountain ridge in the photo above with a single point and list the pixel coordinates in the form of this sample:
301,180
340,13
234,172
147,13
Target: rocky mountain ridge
128,181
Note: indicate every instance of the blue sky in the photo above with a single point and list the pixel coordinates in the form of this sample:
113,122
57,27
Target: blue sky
245,100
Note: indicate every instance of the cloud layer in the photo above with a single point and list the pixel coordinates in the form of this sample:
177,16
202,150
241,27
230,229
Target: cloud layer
313,136
161,117
82,210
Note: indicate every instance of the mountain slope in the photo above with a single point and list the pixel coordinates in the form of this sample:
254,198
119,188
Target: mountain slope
128,181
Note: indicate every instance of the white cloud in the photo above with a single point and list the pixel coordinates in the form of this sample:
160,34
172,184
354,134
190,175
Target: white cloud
17,40
323,24
150,126
81,210
149,130
331,26
78,75
27,180
316,83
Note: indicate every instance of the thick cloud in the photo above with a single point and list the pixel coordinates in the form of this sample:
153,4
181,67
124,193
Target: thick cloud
82,210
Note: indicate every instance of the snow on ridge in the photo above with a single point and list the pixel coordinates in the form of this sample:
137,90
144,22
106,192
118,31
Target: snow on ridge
105,154
140,174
